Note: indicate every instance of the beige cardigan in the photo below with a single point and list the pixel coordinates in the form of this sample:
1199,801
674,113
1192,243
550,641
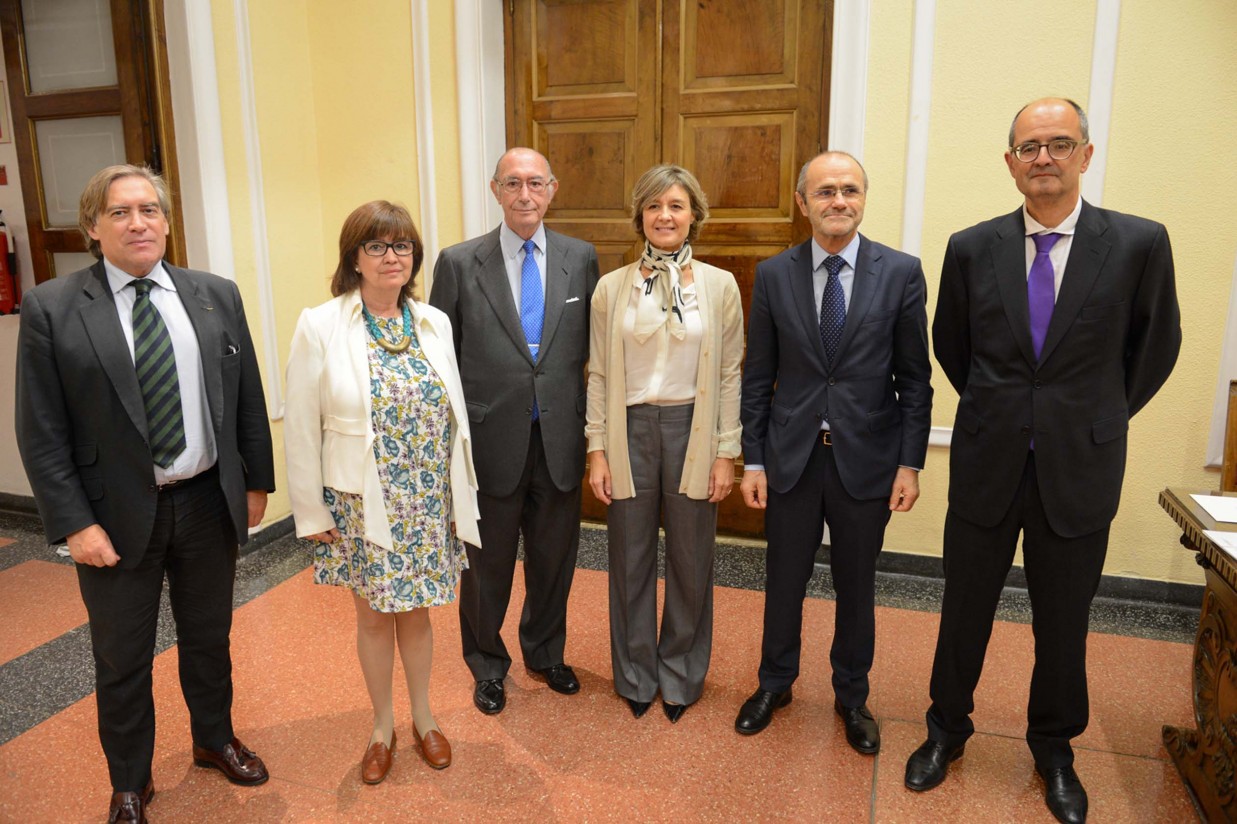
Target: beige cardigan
715,419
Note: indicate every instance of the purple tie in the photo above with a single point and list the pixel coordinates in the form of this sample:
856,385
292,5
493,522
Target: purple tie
1041,291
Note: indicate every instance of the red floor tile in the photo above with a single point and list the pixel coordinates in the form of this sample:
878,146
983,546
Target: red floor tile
41,602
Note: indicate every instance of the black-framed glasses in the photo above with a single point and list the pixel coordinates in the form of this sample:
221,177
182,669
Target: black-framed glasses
513,185
378,248
1059,149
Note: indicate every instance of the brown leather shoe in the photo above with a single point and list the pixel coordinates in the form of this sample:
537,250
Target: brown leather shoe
130,806
377,761
240,765
435,748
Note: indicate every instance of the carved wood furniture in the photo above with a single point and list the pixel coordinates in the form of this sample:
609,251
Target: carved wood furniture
1205,756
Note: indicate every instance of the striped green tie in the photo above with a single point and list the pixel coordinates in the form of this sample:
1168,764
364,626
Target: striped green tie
156,374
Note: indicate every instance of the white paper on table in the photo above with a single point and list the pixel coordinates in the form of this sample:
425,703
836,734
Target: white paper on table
1226,541
1221,509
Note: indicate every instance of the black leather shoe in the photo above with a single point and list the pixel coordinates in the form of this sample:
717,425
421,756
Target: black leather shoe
638,708
560,678
927,765
757,711
673,711
489,696
1064,793
862,733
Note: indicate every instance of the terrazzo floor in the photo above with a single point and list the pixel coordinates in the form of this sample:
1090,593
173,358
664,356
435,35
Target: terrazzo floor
301,704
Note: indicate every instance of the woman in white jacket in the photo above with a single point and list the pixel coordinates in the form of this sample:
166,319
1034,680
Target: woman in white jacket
380,469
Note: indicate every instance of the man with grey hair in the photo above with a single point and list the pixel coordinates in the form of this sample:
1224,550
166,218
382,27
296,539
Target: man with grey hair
836,409
143,429
1056,323
518,299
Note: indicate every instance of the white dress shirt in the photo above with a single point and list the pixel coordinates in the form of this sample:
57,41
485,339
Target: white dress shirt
200,453
1060,250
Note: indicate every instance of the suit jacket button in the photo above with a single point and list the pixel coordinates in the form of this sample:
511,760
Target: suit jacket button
152,488
832,381
1026,430
1037,384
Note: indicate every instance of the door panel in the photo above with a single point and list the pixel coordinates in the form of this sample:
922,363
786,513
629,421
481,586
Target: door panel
735,92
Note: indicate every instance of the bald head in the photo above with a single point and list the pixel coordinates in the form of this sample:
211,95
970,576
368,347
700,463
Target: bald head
1083,126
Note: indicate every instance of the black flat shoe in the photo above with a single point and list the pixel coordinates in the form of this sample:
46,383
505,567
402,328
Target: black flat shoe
927,765
560,678
673,711
489,696
1066,798
862,733
757,711
638,708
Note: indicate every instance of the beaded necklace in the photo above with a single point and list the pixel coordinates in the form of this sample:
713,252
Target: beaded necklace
394,348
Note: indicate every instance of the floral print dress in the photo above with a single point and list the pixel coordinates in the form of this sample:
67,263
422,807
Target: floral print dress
412,419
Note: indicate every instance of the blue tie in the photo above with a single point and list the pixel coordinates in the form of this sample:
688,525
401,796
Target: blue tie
532,307
832,307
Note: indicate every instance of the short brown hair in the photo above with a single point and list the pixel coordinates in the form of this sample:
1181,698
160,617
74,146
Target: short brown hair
376,220
653,184
94,197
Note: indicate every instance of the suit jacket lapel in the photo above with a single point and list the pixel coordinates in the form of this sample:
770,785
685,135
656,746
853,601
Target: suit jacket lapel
868,268
497,290
1086,258
1009,263
805,299
557,284
206,320
103,326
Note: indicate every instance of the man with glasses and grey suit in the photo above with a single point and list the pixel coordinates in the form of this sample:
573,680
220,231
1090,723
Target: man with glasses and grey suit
1055,323
518,299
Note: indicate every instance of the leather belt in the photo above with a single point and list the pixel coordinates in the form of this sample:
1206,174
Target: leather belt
184,482
826,437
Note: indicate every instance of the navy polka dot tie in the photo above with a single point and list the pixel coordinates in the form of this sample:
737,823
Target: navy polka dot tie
832,307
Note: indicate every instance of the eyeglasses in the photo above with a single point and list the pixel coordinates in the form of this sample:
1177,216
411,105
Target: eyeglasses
1059,149
847,193
378,248
513,185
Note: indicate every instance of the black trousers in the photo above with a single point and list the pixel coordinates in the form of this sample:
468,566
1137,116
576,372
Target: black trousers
194,544
1063,575
549,520
794,527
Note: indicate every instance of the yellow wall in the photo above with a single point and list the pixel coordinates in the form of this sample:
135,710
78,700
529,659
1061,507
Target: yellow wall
1168,158
337,121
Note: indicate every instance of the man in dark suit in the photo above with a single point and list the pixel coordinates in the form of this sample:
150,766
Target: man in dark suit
836,412
518,299
142,426
1056,324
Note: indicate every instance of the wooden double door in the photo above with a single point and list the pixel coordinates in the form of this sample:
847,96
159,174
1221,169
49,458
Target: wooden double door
733,90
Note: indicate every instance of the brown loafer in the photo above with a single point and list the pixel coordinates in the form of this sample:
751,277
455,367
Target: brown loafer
377,761
238,764
130,806
435,748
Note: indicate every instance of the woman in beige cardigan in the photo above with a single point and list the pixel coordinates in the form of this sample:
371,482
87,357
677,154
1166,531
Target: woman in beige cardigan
663,433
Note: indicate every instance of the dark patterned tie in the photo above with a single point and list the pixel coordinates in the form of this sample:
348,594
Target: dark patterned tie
832,307
156,375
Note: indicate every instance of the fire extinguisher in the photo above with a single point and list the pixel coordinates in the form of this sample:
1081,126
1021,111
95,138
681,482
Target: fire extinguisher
10,279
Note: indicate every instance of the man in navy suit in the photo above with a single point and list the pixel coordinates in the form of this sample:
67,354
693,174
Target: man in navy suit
1056,323
836,413
143,429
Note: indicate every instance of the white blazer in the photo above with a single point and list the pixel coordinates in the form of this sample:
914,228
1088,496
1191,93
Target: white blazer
328,430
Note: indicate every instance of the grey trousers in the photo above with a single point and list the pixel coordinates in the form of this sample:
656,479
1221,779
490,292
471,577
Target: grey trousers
657,445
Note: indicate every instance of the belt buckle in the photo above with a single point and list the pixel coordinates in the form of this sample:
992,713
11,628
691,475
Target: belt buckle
826,437
170,485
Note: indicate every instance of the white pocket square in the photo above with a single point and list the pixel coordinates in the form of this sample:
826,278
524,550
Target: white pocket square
571,300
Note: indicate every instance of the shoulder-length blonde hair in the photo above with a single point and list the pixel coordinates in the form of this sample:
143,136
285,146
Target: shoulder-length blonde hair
653,183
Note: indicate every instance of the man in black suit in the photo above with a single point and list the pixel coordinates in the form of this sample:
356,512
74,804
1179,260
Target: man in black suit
142,426
836,411
518,299
1056,324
